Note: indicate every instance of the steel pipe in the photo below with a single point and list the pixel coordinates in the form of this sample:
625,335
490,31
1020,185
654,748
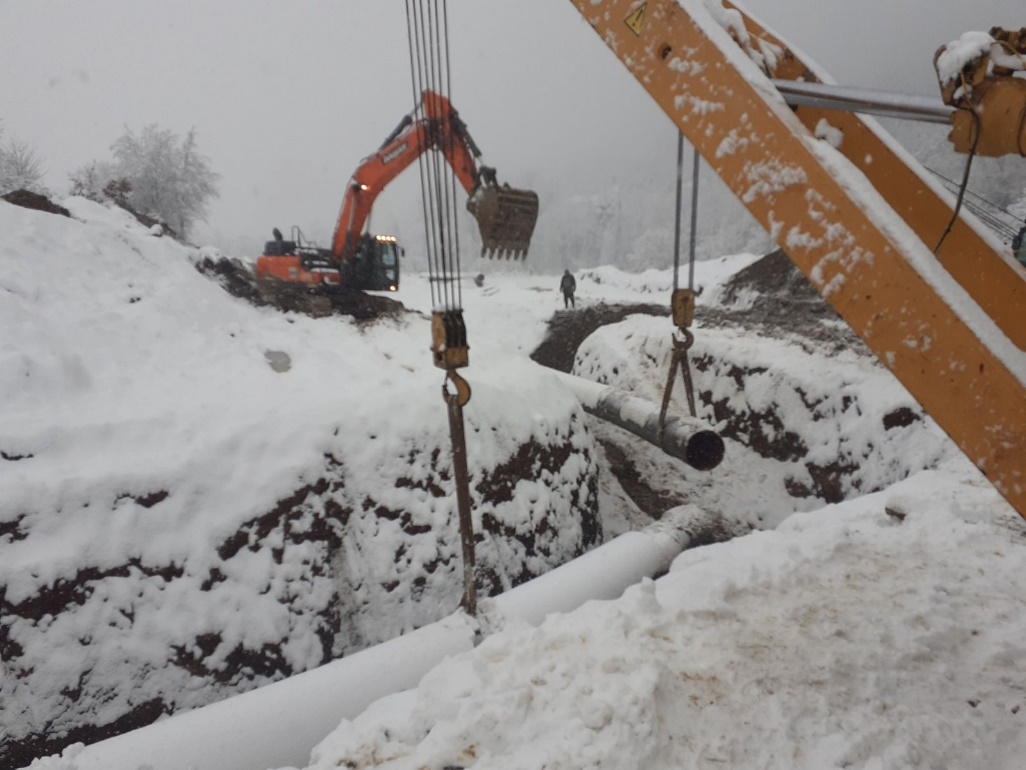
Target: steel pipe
686,438
852,99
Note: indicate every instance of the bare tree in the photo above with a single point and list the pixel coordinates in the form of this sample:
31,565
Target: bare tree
20,168
97,181
155,174
168,178
197,183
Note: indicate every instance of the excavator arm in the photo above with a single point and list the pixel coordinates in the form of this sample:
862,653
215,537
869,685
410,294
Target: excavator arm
942,309
505,216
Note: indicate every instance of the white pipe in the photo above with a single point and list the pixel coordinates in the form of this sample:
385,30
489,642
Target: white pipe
277,725
605,572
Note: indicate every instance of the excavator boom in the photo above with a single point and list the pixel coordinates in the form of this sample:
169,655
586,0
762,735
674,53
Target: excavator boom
942,310
506,217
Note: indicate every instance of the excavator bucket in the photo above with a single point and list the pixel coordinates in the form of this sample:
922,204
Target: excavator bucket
506,219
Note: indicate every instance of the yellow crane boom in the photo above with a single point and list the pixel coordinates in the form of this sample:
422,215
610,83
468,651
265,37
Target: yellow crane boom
846,204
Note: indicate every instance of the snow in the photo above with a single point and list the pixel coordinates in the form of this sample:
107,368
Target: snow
845,638
883,632
954,56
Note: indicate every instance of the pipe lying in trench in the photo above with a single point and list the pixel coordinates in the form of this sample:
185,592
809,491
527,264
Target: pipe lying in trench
278,725
685,438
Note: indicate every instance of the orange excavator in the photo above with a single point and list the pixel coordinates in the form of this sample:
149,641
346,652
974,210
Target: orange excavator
359,261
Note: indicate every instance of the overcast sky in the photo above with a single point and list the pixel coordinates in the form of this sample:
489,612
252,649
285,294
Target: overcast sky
288,96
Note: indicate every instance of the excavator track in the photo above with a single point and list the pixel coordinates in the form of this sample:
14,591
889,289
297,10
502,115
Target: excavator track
359,305
297,299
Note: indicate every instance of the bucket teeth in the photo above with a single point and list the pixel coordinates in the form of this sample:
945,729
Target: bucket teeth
504,251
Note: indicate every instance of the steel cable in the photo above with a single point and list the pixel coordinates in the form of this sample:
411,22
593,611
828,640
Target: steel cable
427,25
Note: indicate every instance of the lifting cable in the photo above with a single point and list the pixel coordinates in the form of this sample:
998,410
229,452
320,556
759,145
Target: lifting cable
965,182
427,23
429,66
1001,221
967,89
682,301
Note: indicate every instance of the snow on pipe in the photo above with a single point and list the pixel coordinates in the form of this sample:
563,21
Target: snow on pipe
278,725
685,438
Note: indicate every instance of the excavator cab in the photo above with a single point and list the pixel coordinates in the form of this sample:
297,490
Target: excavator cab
374,266
505,217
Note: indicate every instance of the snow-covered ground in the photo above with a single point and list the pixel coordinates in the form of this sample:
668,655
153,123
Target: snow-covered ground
884,632
847,638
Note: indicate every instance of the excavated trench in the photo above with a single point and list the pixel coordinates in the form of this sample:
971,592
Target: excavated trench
771,299
318,557
323,566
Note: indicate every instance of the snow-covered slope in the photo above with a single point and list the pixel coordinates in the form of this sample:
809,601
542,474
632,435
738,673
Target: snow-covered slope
198,496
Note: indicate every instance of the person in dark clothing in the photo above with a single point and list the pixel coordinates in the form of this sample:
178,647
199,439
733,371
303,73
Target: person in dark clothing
568,286
1019,245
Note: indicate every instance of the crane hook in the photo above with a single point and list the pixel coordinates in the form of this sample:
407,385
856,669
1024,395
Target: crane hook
462,394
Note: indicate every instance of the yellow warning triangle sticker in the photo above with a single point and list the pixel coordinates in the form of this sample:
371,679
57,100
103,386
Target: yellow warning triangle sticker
636,19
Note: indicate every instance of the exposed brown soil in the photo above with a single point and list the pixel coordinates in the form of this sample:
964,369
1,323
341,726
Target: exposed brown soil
784,304
35,201
21,753
569,328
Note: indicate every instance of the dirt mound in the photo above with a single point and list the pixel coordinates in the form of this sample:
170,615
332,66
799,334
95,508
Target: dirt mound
31,200
772,297
774,274
237,278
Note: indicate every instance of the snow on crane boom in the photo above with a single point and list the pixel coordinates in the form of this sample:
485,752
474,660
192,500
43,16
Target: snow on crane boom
933,295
